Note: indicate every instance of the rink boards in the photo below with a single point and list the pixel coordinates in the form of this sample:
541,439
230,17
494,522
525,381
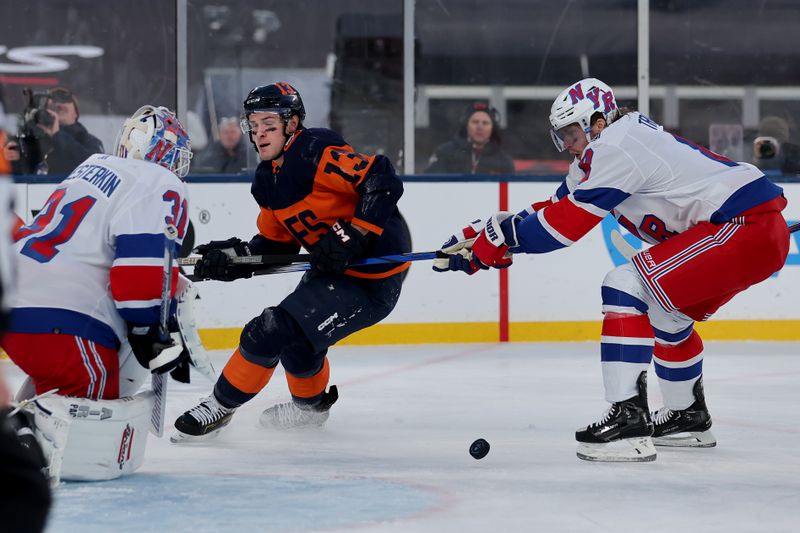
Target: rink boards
550,297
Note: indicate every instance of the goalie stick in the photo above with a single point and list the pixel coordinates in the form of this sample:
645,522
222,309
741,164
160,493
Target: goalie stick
627,251
159,381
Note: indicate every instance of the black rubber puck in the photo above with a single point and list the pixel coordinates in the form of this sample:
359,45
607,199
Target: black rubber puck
479,449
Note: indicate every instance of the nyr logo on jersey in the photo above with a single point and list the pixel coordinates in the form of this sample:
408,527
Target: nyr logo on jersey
595,95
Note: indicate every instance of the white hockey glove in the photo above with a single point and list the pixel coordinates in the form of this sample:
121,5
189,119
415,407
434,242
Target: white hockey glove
458,246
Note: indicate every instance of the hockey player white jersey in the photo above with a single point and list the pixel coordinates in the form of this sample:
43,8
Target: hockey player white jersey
655,183
93,258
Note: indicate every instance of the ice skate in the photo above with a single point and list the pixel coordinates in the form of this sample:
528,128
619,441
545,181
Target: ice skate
290,415
623,434
687,428
202,422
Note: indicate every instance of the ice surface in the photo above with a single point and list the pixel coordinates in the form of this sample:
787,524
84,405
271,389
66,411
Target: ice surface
394,455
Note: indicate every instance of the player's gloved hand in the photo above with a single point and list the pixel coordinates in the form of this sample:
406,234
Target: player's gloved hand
216,262
155,351
337,247
492,247
459,261
460,243
462,254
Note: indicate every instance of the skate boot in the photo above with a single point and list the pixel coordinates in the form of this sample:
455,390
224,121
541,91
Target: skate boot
290,415
687,428
623,434
202,422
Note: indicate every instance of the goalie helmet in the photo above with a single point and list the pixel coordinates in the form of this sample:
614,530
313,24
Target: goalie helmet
155,134
280,98
578,103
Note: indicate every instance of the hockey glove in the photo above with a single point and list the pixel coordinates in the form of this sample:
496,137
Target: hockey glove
337,247
491,248
457,247
216,262
155,352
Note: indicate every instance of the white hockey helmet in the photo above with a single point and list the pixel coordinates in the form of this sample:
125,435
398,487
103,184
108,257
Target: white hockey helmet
155,134
577,104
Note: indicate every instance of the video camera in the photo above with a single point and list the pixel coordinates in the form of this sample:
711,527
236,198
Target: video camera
767,147
33,142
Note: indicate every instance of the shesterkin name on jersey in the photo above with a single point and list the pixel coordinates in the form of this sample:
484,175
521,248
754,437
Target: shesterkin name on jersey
101,177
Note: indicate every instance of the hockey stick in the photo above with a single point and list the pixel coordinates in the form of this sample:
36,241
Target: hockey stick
280,267
283,259
159,381
627,251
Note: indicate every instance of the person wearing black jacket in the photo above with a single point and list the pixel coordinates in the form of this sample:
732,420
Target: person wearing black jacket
227,155
476,149
64,144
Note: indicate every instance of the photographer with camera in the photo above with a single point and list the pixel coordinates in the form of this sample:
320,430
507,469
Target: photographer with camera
772,150
51,140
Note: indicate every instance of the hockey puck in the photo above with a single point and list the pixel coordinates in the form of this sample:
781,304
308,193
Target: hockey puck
479,449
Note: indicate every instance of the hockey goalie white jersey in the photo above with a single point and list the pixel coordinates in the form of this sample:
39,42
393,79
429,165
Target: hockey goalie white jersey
655,183
93,258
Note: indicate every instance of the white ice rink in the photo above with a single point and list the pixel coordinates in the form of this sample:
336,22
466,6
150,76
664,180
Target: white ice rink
393,457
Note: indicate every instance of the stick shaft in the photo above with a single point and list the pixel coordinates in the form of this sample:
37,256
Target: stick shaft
283,259
159,381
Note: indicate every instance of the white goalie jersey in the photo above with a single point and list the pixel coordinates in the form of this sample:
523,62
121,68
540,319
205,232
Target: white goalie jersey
93,258
655,183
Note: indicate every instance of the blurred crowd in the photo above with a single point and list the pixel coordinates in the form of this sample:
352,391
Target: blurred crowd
48,138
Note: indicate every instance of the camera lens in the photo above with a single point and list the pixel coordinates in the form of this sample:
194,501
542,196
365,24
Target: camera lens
44,118
766,150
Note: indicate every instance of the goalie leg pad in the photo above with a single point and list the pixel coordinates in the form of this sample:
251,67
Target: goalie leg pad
187,326
91,440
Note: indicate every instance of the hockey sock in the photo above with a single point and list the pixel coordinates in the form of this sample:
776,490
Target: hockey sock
241,380
309,390
678,367
626,348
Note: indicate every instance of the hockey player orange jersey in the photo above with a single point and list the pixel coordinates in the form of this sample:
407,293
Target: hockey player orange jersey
323,179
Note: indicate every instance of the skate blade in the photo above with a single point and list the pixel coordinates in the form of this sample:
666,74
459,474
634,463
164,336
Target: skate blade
636,450
693,439
183,438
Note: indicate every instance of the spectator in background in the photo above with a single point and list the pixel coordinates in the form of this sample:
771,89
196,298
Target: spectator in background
226,156
5,164
476,148
5,126
772,149
63,142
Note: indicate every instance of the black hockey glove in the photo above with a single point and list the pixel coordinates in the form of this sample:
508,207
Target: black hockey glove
153,351
337,247
216,262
